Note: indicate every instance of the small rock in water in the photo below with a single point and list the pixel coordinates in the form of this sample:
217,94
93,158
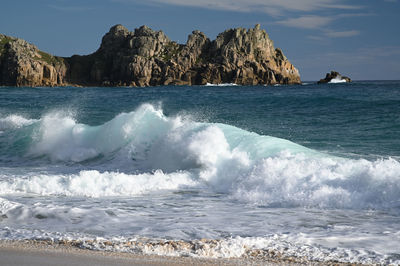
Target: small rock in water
334,77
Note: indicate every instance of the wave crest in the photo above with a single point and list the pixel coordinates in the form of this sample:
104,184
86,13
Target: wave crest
14,122
145,151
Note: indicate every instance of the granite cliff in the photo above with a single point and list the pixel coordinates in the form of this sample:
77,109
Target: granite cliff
146,57
23,64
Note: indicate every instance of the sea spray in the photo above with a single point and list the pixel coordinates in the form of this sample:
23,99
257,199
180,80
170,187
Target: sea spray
228,179
147,148
14,121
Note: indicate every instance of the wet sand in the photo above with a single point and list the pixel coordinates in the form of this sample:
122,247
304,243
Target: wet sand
45,253
24,253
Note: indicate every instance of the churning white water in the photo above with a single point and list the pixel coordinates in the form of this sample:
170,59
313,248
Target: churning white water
143,174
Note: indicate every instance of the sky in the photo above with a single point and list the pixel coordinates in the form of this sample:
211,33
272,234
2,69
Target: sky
358,38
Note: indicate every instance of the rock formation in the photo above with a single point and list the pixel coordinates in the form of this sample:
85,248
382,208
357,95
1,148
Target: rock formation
149,58
23,64
334,77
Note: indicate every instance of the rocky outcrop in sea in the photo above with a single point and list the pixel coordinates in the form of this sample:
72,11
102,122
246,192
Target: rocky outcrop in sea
334,77
146,57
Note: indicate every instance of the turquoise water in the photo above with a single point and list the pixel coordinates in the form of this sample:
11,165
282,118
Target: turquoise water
360,118
310,169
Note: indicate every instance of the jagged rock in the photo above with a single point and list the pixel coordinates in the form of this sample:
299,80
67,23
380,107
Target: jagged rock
335,76
148,58
23,64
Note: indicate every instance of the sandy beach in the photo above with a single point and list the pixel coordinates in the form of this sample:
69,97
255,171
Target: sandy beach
43,253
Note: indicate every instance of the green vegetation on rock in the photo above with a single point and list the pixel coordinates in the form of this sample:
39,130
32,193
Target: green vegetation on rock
52,60
3,41
172,50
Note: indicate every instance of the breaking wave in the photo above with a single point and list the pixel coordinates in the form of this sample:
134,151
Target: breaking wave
145,151
14,121
221,85
338,80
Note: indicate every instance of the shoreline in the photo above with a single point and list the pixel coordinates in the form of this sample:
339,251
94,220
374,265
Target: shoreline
46,252
156,86
31,252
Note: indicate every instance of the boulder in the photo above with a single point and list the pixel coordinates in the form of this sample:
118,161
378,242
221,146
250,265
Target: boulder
334,77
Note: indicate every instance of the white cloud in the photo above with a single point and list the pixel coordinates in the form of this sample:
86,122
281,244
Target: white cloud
306,22
290,13
322,23
341,34
354,15
319,22
327,34
272,7
71,8
363,63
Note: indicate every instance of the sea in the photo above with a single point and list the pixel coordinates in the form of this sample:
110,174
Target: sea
309,171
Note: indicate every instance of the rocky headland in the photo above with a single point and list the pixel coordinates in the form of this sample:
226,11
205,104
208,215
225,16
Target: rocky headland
146,57
334,77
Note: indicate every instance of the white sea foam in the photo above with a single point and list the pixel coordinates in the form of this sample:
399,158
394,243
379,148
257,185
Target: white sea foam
285,180
62,139
274,246
14,121
322,182
6,205
137,226
221,84
167,153
145,175
337,80
95,184
132,173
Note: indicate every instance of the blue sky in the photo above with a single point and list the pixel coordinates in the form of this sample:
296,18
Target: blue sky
359,38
